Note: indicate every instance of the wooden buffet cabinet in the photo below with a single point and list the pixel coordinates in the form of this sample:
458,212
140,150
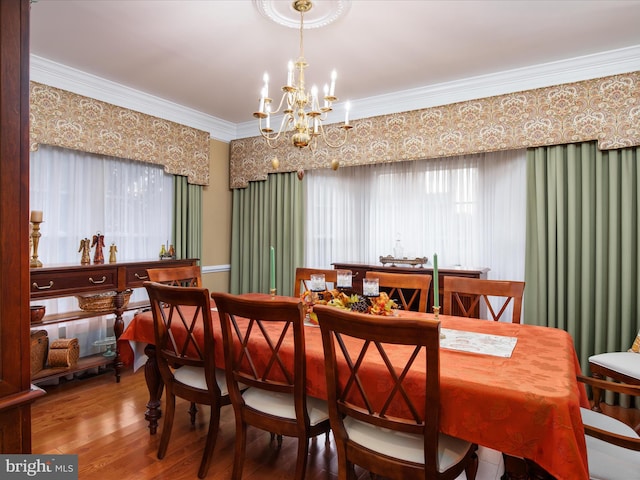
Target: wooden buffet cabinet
360,270
70,280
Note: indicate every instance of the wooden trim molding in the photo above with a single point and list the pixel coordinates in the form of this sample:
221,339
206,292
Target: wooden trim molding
65,119
604,109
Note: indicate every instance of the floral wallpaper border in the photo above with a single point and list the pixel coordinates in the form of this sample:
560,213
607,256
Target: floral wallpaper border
604,109
65,119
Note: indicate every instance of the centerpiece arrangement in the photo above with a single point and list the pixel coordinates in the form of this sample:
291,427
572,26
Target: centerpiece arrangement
380,305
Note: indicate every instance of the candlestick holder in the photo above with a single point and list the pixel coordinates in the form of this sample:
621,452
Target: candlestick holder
436,313
35,238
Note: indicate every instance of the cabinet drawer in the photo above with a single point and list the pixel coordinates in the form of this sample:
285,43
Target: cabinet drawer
138,274
58,283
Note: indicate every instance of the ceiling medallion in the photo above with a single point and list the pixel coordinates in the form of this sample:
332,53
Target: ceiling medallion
284,13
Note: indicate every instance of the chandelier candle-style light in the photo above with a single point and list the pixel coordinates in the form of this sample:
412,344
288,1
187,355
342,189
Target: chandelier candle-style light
302,112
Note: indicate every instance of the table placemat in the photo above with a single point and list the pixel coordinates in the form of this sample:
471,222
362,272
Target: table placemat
473,342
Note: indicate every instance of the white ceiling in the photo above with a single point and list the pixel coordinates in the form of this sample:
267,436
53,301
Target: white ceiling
394,55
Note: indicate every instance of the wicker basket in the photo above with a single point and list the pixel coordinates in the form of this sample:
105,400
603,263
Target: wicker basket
64,352
102,302
39,348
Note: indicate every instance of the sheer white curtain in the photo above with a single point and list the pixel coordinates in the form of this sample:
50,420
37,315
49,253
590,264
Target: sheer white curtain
80,194
469,210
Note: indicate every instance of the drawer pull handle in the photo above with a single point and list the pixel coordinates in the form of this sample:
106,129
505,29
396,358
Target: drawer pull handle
98,282
141,277
44,287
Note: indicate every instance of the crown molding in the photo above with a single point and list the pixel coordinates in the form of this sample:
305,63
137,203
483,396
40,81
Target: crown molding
73,80
587,67
577,69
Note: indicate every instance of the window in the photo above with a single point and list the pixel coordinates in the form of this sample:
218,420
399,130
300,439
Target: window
80,194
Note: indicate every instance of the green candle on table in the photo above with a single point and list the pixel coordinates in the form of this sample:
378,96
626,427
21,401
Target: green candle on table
436,295
272,268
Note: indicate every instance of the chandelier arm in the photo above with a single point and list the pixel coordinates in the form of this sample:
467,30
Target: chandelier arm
287,120
340,143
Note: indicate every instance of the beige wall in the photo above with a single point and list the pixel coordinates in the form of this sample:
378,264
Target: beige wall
216,220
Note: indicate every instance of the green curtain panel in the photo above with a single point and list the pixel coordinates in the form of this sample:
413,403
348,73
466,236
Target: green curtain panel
582,266
187,218
267,214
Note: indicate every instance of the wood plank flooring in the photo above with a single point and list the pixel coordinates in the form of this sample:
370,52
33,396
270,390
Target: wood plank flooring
103,422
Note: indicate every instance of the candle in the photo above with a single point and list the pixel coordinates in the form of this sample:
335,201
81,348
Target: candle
436,294
332,90
326,94
266,85
36,216
314,97
290,74
272,268
370,287
347,107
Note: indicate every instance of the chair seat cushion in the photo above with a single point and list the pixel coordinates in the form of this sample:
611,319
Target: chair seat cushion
281,405
194,377
405,446
607,461
627,363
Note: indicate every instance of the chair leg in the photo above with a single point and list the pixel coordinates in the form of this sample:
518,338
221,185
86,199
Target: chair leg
193,409
170,406
471,469
212,435
240,449
301,461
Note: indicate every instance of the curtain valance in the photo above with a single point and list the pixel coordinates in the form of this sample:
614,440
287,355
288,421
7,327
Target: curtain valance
604,109
64,119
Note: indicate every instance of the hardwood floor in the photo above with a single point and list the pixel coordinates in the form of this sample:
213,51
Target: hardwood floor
103,422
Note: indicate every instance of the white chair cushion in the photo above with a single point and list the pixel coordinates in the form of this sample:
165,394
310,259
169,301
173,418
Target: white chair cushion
627,363
194,377
281,405
405,446
607,461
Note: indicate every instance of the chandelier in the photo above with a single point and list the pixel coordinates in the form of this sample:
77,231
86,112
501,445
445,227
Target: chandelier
302,112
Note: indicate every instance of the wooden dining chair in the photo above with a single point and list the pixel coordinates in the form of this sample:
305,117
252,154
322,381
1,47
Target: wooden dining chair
189,276
613,447
466,294
388,425
256,336
303,277
405,288
619,366
188,370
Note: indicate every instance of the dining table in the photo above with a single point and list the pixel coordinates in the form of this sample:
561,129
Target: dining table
509,387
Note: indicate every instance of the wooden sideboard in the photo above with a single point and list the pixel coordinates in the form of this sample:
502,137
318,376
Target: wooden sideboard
70,280
360,270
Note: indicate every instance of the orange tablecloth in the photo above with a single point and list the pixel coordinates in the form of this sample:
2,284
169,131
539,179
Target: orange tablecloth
527,405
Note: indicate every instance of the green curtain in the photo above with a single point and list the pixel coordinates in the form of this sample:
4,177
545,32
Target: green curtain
187,218
265,214
582,265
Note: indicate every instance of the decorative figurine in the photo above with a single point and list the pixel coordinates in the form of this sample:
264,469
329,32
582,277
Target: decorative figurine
85,247
98,242
112,253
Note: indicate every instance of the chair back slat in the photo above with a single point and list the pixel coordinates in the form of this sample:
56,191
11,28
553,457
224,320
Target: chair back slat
469,293
414,286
